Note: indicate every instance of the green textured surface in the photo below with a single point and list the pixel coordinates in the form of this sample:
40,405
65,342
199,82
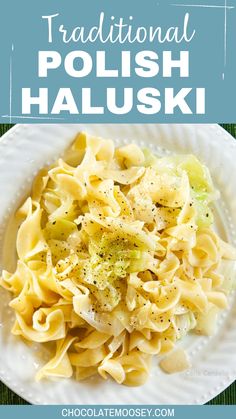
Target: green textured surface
227,397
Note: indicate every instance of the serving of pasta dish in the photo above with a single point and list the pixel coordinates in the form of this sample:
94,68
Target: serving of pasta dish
117,260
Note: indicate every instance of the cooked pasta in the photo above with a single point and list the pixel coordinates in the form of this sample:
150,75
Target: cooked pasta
117,260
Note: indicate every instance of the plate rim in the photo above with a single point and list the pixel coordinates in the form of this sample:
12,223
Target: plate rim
227,136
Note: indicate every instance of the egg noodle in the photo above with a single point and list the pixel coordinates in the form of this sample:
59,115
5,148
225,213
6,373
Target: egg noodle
117,260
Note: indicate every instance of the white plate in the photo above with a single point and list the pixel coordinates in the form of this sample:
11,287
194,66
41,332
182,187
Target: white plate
23,151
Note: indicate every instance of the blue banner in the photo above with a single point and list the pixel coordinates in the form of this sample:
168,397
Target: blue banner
127,61
108,411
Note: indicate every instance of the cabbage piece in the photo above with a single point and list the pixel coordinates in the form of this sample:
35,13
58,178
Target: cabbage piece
103,322
204,214
150,158
107,299
112,257
59,229
202,189
206,323
184,323
140,264
59,249
198,174
228,269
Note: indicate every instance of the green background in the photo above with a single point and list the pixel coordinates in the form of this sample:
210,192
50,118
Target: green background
227,397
